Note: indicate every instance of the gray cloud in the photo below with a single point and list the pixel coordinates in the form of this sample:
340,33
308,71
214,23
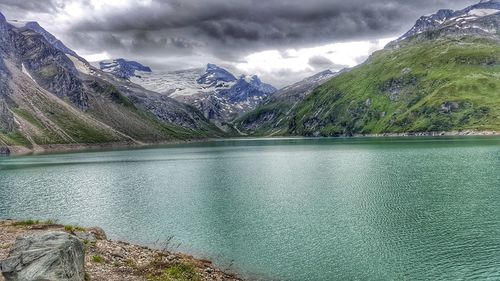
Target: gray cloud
41,6
229,30
321,62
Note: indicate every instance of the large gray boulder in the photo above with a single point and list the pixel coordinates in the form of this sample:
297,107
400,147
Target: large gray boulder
48,256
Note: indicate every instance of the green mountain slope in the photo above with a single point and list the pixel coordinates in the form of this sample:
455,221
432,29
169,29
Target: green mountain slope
443,79
445,84
271,117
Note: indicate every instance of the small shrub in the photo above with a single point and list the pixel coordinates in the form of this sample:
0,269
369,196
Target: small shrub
26,222
71,228
34,222
178,272
97,259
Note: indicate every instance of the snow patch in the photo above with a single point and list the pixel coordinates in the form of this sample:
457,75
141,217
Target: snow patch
25,71
80,66
482,12
17,23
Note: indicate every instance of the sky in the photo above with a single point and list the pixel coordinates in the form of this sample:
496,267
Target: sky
282,41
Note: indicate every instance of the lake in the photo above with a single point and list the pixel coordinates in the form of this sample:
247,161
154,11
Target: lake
285,209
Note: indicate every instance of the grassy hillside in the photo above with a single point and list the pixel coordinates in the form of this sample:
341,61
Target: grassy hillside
451,83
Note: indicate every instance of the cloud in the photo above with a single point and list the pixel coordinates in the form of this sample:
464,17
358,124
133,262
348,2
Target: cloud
41,6
320,61
182,33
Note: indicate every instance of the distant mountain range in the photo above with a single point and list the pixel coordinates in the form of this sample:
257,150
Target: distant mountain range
217,93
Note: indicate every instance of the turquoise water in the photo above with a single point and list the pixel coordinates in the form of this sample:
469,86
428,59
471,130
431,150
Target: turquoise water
290,209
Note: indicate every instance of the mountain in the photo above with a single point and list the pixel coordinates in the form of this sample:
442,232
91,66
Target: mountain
122,68
468,20
440,76
269,117
215,76
214,91
50,97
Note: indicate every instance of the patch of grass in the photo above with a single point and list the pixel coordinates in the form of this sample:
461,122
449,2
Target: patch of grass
97,259
71,228
178,272
87,277
14,138
33,222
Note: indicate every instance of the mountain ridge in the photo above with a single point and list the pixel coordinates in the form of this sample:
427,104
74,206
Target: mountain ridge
214,91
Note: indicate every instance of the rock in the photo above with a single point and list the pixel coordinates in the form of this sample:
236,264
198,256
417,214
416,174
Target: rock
118,254
85,236
4,151
98,233
54,256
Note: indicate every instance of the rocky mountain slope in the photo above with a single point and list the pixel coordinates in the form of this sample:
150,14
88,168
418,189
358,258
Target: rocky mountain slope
443,75
217,93
48,96
270,117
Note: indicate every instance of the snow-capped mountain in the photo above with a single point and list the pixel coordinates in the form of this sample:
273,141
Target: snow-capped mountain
470,19
215,76
214,91
123,68
248,87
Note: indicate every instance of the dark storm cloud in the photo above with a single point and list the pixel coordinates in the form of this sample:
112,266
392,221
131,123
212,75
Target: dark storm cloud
45,6
230,29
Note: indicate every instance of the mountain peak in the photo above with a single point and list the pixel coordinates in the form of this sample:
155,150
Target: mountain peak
457,21
33,25
215,75
123,68
253,82
213,67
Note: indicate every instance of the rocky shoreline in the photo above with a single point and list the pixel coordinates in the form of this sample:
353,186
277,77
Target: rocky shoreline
104,259
79,147
60,148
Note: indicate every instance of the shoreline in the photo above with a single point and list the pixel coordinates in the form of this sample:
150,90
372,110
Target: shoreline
91,147
114,260
81,147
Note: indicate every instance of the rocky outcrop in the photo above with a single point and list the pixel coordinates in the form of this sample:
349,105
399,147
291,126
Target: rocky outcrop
4,151
113,260
55,256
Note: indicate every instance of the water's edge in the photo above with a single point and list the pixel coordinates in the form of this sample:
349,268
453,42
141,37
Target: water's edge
82,147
